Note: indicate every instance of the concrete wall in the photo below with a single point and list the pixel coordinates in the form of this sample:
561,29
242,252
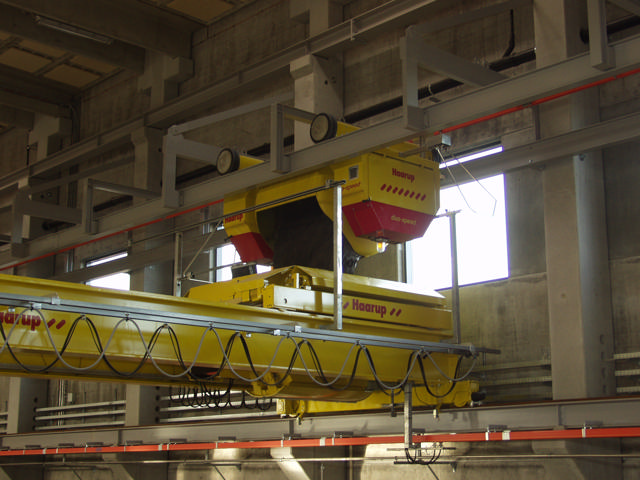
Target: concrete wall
511,315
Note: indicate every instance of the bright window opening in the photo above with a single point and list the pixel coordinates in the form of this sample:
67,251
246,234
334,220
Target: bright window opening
226,256
481,237
118,281
472,156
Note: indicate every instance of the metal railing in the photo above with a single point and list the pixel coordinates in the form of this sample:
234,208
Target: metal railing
3,422
85,415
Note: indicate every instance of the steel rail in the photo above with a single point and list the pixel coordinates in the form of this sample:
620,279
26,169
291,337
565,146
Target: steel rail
205,321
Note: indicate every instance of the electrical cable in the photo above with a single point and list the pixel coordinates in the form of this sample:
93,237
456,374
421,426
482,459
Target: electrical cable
202,394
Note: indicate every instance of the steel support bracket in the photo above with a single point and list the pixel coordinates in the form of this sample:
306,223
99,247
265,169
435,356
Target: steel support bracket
408,415
170,196
280,163
602,55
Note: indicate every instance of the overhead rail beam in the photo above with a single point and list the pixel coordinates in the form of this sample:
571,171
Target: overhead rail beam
593,137
561,417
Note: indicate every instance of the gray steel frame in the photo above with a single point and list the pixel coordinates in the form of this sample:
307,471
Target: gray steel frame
623,412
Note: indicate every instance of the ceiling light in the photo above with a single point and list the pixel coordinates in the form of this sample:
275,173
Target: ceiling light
72,30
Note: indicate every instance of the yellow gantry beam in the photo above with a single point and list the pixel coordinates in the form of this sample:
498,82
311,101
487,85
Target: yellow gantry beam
283,348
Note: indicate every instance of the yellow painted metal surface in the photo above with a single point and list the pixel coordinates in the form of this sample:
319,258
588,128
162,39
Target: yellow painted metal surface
370,306
293,369
364,177
440,395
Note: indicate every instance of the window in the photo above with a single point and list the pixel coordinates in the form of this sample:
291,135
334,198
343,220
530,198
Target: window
481,237
119,281
226,256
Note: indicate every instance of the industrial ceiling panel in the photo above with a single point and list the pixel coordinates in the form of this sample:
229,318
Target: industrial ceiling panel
72,76
205,10
38,47
95,65
23,60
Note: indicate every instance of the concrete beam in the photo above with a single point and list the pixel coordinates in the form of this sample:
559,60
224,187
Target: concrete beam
16,118
32,105
16,22
632,6
18,82
134,23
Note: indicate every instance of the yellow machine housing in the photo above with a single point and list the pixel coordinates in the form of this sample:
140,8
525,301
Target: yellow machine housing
387,198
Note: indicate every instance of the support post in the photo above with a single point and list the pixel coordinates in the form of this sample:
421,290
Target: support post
279,161
177,264
601,53
455,284
337,256
25,395
408,415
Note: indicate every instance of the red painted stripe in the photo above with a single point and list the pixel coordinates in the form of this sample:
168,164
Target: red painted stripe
566,434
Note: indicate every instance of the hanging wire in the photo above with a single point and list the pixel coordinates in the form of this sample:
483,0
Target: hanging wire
455,181
202,394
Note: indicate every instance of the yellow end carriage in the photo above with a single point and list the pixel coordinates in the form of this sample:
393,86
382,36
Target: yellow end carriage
270,334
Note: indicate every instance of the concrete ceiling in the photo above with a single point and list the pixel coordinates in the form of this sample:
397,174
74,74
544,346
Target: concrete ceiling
52,51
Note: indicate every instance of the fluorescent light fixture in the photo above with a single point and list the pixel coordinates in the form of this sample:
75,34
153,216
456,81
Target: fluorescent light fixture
473,156
72,30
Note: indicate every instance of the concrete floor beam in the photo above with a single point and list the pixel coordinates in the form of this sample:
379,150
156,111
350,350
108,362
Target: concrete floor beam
14,21
136,23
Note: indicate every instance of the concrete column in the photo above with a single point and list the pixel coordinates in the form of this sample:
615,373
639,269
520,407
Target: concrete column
578,285
390,265
318,89
319,14
142,401
317,81
147,144
47,134
156,278
163,75
575,227
25,395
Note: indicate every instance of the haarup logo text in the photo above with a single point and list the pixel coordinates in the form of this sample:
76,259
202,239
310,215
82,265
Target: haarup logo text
399,173
33,321
361,306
